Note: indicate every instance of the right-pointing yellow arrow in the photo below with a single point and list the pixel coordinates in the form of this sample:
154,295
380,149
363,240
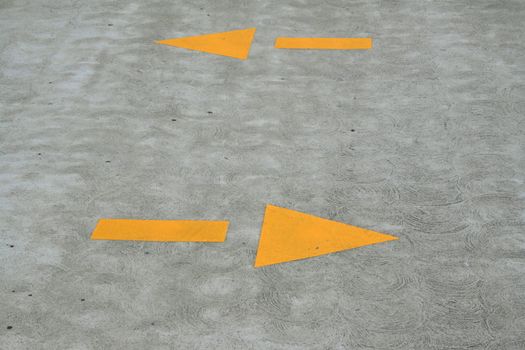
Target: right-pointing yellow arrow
289,235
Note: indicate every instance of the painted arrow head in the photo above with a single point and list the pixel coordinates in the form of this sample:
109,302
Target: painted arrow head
235,43
288,235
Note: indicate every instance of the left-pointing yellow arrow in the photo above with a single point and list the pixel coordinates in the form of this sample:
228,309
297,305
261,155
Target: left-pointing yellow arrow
234,44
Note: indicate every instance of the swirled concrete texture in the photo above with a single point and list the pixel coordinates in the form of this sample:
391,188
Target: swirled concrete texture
421,137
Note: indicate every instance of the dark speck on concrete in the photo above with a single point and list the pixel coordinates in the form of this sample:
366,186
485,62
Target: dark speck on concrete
110,24
210,112
146,253
174,120
352,130
30,295
82,299
9,327
11,246
108,161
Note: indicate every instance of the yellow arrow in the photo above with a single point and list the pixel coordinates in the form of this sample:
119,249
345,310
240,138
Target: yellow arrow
234,44
288,235
161,230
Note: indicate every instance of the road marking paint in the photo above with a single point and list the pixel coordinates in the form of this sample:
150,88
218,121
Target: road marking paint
161,230
234,43
324,43
288,235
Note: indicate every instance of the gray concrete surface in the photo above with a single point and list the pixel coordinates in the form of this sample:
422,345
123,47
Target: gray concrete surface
421,137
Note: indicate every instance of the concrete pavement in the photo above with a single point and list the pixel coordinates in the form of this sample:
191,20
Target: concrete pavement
421,137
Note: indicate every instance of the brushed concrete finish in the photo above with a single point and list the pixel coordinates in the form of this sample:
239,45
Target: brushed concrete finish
421,137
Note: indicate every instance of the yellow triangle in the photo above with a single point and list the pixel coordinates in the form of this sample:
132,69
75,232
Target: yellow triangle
234,44
288,235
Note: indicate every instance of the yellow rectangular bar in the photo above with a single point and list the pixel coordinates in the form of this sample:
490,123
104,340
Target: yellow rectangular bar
324,43
161,230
